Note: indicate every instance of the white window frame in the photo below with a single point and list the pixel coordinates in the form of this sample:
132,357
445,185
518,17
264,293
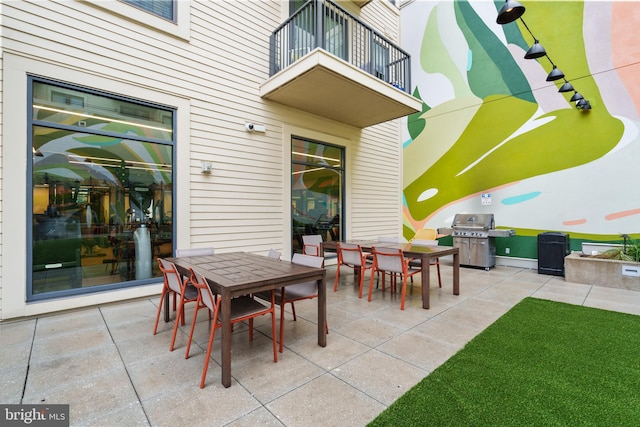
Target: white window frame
180,28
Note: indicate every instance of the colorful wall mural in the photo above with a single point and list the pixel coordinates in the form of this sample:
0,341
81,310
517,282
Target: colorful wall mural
495,137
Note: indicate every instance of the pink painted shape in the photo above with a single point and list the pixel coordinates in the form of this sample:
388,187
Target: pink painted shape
625,49
622,214
575,222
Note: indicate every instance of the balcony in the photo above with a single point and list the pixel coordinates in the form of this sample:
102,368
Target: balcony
325,61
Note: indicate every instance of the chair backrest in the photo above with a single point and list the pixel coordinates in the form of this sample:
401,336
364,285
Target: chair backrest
349,253
309,288
426,234
194,252
388,259
311,244
308,260
389,239
206,296
419,242
274,254
171,275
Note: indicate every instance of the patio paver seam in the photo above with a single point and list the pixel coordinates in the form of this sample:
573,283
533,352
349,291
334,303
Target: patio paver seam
124,366
26,375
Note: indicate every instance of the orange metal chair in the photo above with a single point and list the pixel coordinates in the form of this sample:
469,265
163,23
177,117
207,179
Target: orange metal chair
273,253
352,256
426,234
417,263
291,294
387,260
426,237
311,244
174,285
242,308
388,239
299,292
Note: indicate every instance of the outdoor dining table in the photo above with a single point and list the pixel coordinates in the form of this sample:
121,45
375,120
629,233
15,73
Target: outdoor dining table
239,273
424,253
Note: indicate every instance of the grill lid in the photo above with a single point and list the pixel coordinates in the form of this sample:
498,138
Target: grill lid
474,221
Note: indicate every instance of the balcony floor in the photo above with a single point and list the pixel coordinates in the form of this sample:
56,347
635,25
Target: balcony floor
105,362
327,86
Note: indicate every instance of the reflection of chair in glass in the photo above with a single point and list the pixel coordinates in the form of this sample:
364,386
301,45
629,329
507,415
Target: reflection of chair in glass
417,263
391,261
194,252
173,284
311,244
352,256
242,308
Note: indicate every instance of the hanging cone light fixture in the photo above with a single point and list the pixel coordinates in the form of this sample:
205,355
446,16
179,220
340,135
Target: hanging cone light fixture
566,87
511,11
535,51
555,74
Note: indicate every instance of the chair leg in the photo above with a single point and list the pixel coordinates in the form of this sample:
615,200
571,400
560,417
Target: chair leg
370,286
362,283
179,316
175,325
404,292
182,315
193,326
273,334
281,327
439,278
293,309
162,295
335,284
210,345
361,279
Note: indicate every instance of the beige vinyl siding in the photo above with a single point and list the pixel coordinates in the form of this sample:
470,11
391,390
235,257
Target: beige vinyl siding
216,70
384,17
376,188
1,172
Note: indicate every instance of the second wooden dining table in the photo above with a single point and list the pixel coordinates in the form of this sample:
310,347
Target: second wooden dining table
240,273
424,253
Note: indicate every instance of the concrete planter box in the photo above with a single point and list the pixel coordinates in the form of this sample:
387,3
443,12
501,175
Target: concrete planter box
597,248
601,272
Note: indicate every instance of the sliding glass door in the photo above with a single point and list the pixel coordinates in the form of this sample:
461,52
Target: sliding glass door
317,190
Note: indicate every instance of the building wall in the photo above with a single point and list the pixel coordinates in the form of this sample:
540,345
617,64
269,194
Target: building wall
492,125
209,67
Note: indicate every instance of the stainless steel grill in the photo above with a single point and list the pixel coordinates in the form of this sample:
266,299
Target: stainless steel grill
474,235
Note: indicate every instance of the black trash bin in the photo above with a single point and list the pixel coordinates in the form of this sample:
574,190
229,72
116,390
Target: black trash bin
552,248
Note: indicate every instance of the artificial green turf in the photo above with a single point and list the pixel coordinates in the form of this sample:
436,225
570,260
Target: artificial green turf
543,363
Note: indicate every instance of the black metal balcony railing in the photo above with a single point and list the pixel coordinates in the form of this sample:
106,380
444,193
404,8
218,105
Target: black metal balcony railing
323,24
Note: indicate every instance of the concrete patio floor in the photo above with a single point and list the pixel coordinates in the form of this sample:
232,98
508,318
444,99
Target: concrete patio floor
105,362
